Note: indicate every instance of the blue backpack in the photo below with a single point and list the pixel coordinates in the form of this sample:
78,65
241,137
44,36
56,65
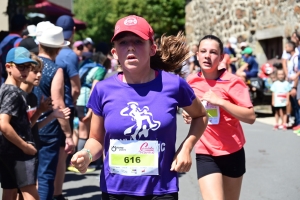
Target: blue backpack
83,72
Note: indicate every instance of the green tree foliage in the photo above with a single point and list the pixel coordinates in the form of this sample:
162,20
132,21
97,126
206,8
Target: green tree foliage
165,16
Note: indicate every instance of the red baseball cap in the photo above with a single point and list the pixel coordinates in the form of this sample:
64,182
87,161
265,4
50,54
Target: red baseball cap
136,25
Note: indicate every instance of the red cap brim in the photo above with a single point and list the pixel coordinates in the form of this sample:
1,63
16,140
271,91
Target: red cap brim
138,33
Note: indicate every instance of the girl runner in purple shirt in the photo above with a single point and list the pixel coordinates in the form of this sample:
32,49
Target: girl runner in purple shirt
134,117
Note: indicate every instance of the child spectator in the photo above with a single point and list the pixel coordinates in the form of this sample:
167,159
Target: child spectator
17,148
280,99
269,81
32,80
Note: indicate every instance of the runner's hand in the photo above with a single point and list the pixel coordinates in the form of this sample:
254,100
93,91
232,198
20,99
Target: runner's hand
81,161
186,117
212,98
29,149
70,147
182,161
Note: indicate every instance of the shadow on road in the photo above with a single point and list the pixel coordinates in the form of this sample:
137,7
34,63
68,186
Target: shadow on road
77,176
83,190
94,197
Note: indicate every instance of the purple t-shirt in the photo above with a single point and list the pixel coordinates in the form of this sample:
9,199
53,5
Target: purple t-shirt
157,102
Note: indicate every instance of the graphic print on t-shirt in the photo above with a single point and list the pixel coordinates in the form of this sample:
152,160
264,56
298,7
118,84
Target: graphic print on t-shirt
143,119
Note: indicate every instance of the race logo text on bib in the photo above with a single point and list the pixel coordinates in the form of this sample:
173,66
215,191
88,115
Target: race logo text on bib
213,112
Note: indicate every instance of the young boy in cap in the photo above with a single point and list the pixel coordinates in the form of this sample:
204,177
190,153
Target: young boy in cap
17,147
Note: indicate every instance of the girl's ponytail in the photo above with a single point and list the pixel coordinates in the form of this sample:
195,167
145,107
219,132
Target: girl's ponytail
172,53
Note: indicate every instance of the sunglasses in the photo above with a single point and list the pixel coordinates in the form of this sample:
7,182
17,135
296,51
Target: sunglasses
23,67
80,48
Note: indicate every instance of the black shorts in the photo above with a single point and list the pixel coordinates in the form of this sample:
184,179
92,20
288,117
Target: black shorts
232,165
71,119
18,172
278,108
171,196
81,111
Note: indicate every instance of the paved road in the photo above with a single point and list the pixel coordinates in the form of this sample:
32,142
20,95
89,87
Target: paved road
273,168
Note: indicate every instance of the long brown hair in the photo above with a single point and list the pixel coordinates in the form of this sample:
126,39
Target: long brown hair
172,52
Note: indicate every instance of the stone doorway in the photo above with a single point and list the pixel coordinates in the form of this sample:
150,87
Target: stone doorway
272,47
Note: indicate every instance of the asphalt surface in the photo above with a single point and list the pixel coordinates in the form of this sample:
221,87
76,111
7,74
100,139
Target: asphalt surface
272,160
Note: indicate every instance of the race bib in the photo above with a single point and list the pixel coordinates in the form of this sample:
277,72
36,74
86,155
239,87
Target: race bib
281,99
133,157
213,113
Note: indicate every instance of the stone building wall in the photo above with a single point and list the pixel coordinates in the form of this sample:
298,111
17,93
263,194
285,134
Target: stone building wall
247,20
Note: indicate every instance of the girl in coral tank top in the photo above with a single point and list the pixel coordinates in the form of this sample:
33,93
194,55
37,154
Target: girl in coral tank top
219,152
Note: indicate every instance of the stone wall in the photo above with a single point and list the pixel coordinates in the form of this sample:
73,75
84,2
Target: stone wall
247,20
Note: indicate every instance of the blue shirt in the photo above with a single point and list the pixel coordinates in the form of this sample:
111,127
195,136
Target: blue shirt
68,61
9,38
252,67
44,89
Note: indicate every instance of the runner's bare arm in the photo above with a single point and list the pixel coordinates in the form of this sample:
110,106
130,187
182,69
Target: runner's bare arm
243,114
95,143
93,146
182,161
199,121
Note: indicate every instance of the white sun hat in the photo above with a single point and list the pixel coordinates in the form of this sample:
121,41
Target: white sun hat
40,27
233,42
31,30
53,37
